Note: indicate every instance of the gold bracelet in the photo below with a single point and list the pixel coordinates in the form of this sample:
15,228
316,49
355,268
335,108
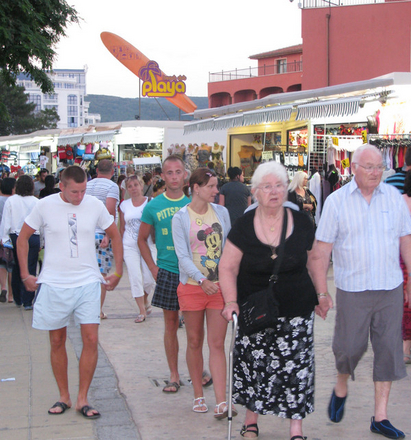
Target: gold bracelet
117,275
322,295
230,302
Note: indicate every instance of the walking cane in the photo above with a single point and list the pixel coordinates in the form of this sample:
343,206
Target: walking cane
230,375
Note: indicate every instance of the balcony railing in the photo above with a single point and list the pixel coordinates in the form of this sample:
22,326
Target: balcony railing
307,4
251,72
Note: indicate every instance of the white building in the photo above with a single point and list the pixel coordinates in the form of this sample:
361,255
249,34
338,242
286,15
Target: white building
68,98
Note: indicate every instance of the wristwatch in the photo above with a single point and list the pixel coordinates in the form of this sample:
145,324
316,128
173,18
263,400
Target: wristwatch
200,282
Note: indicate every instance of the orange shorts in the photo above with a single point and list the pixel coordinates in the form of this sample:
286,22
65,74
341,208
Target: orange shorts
193,298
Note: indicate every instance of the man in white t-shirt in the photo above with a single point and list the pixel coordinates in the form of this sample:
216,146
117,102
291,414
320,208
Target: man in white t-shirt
69,282
107,191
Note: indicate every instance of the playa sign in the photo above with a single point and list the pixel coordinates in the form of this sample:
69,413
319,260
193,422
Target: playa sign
160,87
156,83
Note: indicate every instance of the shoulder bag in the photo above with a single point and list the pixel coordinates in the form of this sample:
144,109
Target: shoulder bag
260,310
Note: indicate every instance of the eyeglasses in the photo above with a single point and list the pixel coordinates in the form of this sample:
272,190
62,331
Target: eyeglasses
371,168
269,188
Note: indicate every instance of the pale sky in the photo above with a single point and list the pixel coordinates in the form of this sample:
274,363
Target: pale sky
187,37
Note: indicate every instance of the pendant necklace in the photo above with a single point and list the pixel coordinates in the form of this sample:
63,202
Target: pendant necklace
272,247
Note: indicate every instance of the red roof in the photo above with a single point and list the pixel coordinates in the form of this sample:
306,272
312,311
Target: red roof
279,52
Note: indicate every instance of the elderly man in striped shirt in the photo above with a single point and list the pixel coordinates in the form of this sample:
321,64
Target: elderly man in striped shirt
365,224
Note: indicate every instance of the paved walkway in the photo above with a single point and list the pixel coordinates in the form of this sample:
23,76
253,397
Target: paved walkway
131,373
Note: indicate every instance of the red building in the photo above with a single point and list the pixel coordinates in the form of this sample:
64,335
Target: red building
359,40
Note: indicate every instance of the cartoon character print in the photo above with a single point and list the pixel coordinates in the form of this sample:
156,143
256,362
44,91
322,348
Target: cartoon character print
212,237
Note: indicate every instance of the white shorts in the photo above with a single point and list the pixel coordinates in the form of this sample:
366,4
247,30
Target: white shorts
53,306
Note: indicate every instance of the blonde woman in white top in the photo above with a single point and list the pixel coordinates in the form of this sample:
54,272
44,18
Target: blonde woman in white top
141,281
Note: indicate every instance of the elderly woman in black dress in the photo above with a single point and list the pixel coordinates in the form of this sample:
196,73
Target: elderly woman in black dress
273,368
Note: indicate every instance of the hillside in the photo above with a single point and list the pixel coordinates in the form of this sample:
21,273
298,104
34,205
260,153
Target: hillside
113,108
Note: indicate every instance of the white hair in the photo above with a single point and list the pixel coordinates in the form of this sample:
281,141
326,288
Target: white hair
297,181
360,150
269,168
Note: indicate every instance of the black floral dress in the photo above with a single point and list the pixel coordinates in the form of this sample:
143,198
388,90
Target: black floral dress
274,368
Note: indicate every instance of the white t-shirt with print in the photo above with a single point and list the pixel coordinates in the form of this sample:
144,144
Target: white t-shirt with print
69,235
132,219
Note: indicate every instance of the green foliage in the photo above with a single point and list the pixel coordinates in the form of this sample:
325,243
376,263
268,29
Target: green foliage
17,115
113,108
29,29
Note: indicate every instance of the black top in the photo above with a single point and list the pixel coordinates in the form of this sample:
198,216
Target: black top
296,293
236,196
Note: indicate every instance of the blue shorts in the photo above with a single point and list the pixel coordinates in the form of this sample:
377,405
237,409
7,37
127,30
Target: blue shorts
53,306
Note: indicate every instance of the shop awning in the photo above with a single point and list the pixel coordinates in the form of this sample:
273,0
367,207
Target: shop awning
70,139
324,109
270,114
30,148
229,121
202,125
99,136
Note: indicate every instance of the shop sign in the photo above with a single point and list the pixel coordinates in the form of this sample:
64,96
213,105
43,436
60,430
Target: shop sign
345,163
160,86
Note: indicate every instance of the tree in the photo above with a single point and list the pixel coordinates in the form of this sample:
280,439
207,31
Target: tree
17,116
29,29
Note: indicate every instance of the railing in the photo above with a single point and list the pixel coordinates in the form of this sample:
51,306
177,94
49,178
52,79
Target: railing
307,4
251,72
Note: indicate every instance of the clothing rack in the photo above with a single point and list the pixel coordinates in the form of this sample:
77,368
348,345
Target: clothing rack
393,148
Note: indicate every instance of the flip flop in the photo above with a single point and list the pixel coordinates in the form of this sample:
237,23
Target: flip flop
61,405
169,385
140,318
209,381
3,296
103,315
85,409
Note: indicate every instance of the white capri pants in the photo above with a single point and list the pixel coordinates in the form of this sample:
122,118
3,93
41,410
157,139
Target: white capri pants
139,274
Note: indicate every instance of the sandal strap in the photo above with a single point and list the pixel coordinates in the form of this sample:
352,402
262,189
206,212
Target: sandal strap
198,403
246,428
219,404
298,437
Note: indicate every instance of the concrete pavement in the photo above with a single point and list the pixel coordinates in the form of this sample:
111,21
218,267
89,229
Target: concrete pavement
132,369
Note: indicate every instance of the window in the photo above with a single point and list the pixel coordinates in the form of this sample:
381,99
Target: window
282,65
72,122
35,99
72,100
51,97
72,107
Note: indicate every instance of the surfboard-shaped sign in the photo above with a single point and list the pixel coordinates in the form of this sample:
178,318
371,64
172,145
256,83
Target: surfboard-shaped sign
155,82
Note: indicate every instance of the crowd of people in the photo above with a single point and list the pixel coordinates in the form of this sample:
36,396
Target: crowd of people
206,261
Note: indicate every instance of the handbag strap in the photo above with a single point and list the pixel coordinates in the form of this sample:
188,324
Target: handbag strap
280,253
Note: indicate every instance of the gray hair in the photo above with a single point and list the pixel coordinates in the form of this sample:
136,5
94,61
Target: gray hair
269,168
297,181
360,150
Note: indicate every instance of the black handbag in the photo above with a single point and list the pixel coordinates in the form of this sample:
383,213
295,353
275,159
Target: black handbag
261,309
